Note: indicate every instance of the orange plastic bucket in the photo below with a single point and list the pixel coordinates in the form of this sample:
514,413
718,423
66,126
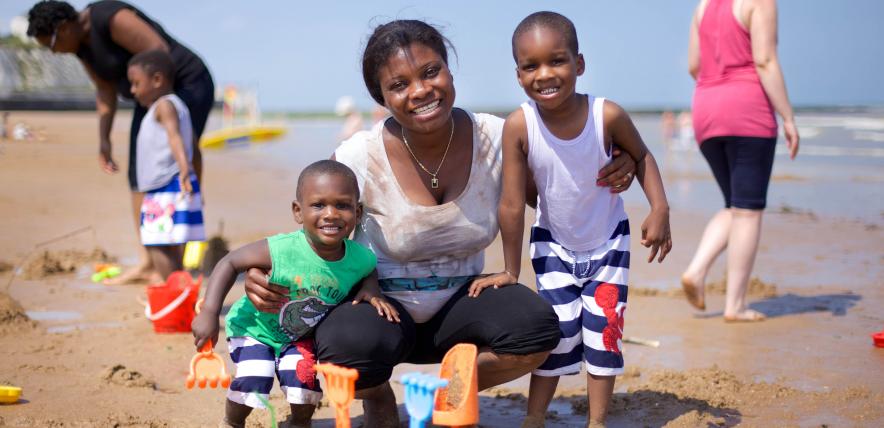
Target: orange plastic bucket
171,305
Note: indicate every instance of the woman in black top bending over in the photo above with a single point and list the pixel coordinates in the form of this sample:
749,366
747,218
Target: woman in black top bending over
104,36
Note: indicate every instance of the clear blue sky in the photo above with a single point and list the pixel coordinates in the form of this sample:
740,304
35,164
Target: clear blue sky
303,55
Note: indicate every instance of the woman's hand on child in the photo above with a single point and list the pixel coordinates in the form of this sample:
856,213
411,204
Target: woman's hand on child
496,280
204,327
385,309
656,234
265,296
618,173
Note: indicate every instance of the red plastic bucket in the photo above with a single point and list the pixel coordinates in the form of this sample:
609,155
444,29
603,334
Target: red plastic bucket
170,305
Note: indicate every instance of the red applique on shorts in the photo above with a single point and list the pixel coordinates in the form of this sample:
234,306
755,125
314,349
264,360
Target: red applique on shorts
304,370
606,297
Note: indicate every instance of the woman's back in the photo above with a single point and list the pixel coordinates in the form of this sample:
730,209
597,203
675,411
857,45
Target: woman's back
725,46
729,99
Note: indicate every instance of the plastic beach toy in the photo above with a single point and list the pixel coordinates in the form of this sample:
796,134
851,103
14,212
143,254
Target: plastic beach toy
458,403
419,389
193,254
105,271
9,394
878,339
341,384
207,368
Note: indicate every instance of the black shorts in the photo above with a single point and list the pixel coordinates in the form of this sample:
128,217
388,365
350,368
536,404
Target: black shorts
509,320
198,95
741,166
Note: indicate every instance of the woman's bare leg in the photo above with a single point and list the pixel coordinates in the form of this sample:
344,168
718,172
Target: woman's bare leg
379,406
714,241
742,248
143,271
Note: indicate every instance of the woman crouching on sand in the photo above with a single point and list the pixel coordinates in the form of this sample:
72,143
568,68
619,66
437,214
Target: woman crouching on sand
430,180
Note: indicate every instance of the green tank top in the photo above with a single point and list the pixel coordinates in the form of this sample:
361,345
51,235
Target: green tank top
315,287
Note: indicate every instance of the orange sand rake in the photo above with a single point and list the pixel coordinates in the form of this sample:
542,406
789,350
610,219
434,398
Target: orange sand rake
457,405
341,385
206,367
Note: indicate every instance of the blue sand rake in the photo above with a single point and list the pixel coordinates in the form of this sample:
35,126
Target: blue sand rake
419,397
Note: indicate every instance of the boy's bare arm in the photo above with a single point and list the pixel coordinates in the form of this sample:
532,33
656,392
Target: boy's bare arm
167,116
370,291
655,229
511,212
206,326
256,254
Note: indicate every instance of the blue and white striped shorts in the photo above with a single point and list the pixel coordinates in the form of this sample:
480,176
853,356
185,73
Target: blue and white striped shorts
587,290
256,365
168,217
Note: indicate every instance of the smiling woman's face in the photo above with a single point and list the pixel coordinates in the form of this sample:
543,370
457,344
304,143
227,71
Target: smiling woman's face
418,88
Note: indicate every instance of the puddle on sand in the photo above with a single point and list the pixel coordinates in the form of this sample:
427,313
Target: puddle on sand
54,315
82,326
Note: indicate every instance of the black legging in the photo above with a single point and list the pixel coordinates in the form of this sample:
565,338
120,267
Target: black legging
509,320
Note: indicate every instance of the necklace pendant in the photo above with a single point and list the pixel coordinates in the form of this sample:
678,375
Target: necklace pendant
434,183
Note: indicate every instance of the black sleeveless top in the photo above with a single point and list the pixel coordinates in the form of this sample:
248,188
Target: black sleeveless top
109,60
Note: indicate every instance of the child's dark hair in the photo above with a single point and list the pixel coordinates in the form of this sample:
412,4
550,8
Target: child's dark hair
45,16
552,21
327,167
389,38
155,61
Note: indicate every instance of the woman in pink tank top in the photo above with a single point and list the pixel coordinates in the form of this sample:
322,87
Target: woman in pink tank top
733,57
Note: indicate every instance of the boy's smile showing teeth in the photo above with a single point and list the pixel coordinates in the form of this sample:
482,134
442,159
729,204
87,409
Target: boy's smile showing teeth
549,91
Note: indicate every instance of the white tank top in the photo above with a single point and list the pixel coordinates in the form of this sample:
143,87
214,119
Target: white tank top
580,215
155,165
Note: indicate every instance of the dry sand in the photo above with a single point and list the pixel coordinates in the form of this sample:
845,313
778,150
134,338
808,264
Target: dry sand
88,357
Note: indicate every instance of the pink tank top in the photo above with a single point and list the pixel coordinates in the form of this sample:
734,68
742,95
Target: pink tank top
729,99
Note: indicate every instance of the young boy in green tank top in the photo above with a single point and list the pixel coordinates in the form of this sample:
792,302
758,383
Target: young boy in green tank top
320,267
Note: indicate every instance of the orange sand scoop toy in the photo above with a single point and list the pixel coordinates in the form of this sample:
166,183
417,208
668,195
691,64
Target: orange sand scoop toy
341,385
458,403
206,367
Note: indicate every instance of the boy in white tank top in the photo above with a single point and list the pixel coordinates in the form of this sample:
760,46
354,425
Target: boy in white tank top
580,242
171,211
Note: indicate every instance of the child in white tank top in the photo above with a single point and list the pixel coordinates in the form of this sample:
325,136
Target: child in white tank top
171,211
580,242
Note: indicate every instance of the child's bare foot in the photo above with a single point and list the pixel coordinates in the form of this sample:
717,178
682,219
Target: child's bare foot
136,274
748,315
695,292
534,421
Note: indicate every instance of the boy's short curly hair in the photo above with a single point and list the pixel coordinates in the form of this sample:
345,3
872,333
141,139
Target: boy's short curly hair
45,16
155,61
551,20
391,37
327,167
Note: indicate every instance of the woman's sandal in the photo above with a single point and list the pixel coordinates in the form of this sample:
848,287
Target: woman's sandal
695,298
748,315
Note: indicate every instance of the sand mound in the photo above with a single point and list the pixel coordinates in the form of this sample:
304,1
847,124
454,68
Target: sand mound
5,266
12,315
119,375
114,421
59,262
757,288
716,387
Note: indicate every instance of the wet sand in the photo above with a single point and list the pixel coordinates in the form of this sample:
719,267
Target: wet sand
88,357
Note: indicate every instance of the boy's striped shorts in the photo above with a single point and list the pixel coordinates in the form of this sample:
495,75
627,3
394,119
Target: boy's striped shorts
257,365
587,290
